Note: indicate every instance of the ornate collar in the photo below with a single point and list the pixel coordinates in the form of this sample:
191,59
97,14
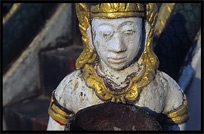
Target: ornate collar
130,94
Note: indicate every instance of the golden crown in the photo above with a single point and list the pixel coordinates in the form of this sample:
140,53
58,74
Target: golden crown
116,10
89,57
85,13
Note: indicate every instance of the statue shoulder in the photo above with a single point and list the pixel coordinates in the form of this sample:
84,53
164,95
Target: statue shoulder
68,84
68,80
73,93
176,106
168,80
175,95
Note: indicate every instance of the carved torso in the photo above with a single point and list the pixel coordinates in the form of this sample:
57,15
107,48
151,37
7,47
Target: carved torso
162,95
117,39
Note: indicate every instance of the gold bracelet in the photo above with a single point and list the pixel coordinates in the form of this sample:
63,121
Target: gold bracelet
181,115
59,113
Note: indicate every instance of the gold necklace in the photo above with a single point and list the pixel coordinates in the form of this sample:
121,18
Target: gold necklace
130,94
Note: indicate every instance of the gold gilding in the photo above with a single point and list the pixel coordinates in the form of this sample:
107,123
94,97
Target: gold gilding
117,7
117,10
130,94
83,15
149,59
57,114
11,12
120,10
163,17
179,116
118,15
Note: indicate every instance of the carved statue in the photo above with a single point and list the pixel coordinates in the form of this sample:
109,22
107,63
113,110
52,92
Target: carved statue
118,65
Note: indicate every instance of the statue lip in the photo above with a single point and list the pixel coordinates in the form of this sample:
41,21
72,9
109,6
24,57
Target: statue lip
117,59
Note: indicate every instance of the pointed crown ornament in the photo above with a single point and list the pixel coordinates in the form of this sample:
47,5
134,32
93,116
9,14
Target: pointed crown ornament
117,10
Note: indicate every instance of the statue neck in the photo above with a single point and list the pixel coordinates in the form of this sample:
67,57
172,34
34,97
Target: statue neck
117,76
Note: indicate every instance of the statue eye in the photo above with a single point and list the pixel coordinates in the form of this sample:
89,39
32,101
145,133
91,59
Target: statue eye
129,32
106,34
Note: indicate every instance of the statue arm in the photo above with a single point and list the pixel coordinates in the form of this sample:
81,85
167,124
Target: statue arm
53,125
182,126
59,114
176,127
176,108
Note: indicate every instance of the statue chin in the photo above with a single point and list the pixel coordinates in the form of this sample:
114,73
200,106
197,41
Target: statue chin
122,65
118,67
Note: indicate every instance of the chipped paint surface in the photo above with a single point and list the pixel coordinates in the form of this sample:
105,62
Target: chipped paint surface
166,94
161,95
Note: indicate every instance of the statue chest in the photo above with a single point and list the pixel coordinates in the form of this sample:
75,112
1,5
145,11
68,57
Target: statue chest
79,96
153,98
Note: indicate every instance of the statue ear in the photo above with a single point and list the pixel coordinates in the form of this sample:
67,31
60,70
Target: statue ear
89,35
147,30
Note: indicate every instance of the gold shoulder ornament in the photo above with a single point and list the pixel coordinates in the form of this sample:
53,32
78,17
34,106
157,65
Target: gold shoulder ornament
88,57
58,113
180,115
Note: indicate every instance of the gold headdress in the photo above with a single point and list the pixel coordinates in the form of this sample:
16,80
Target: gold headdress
114,10
117,10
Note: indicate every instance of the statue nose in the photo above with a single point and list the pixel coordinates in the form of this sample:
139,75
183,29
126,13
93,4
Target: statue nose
117,44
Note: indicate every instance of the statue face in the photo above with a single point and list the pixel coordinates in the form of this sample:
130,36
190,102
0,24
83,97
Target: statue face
117,41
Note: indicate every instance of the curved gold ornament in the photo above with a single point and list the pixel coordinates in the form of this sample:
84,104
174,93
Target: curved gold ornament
165,12
57,113
13,9
181,115
130,94
88,56
117,10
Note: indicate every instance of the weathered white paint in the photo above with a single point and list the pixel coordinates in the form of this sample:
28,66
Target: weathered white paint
53,125
161,95
114,39
22,79
118,42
